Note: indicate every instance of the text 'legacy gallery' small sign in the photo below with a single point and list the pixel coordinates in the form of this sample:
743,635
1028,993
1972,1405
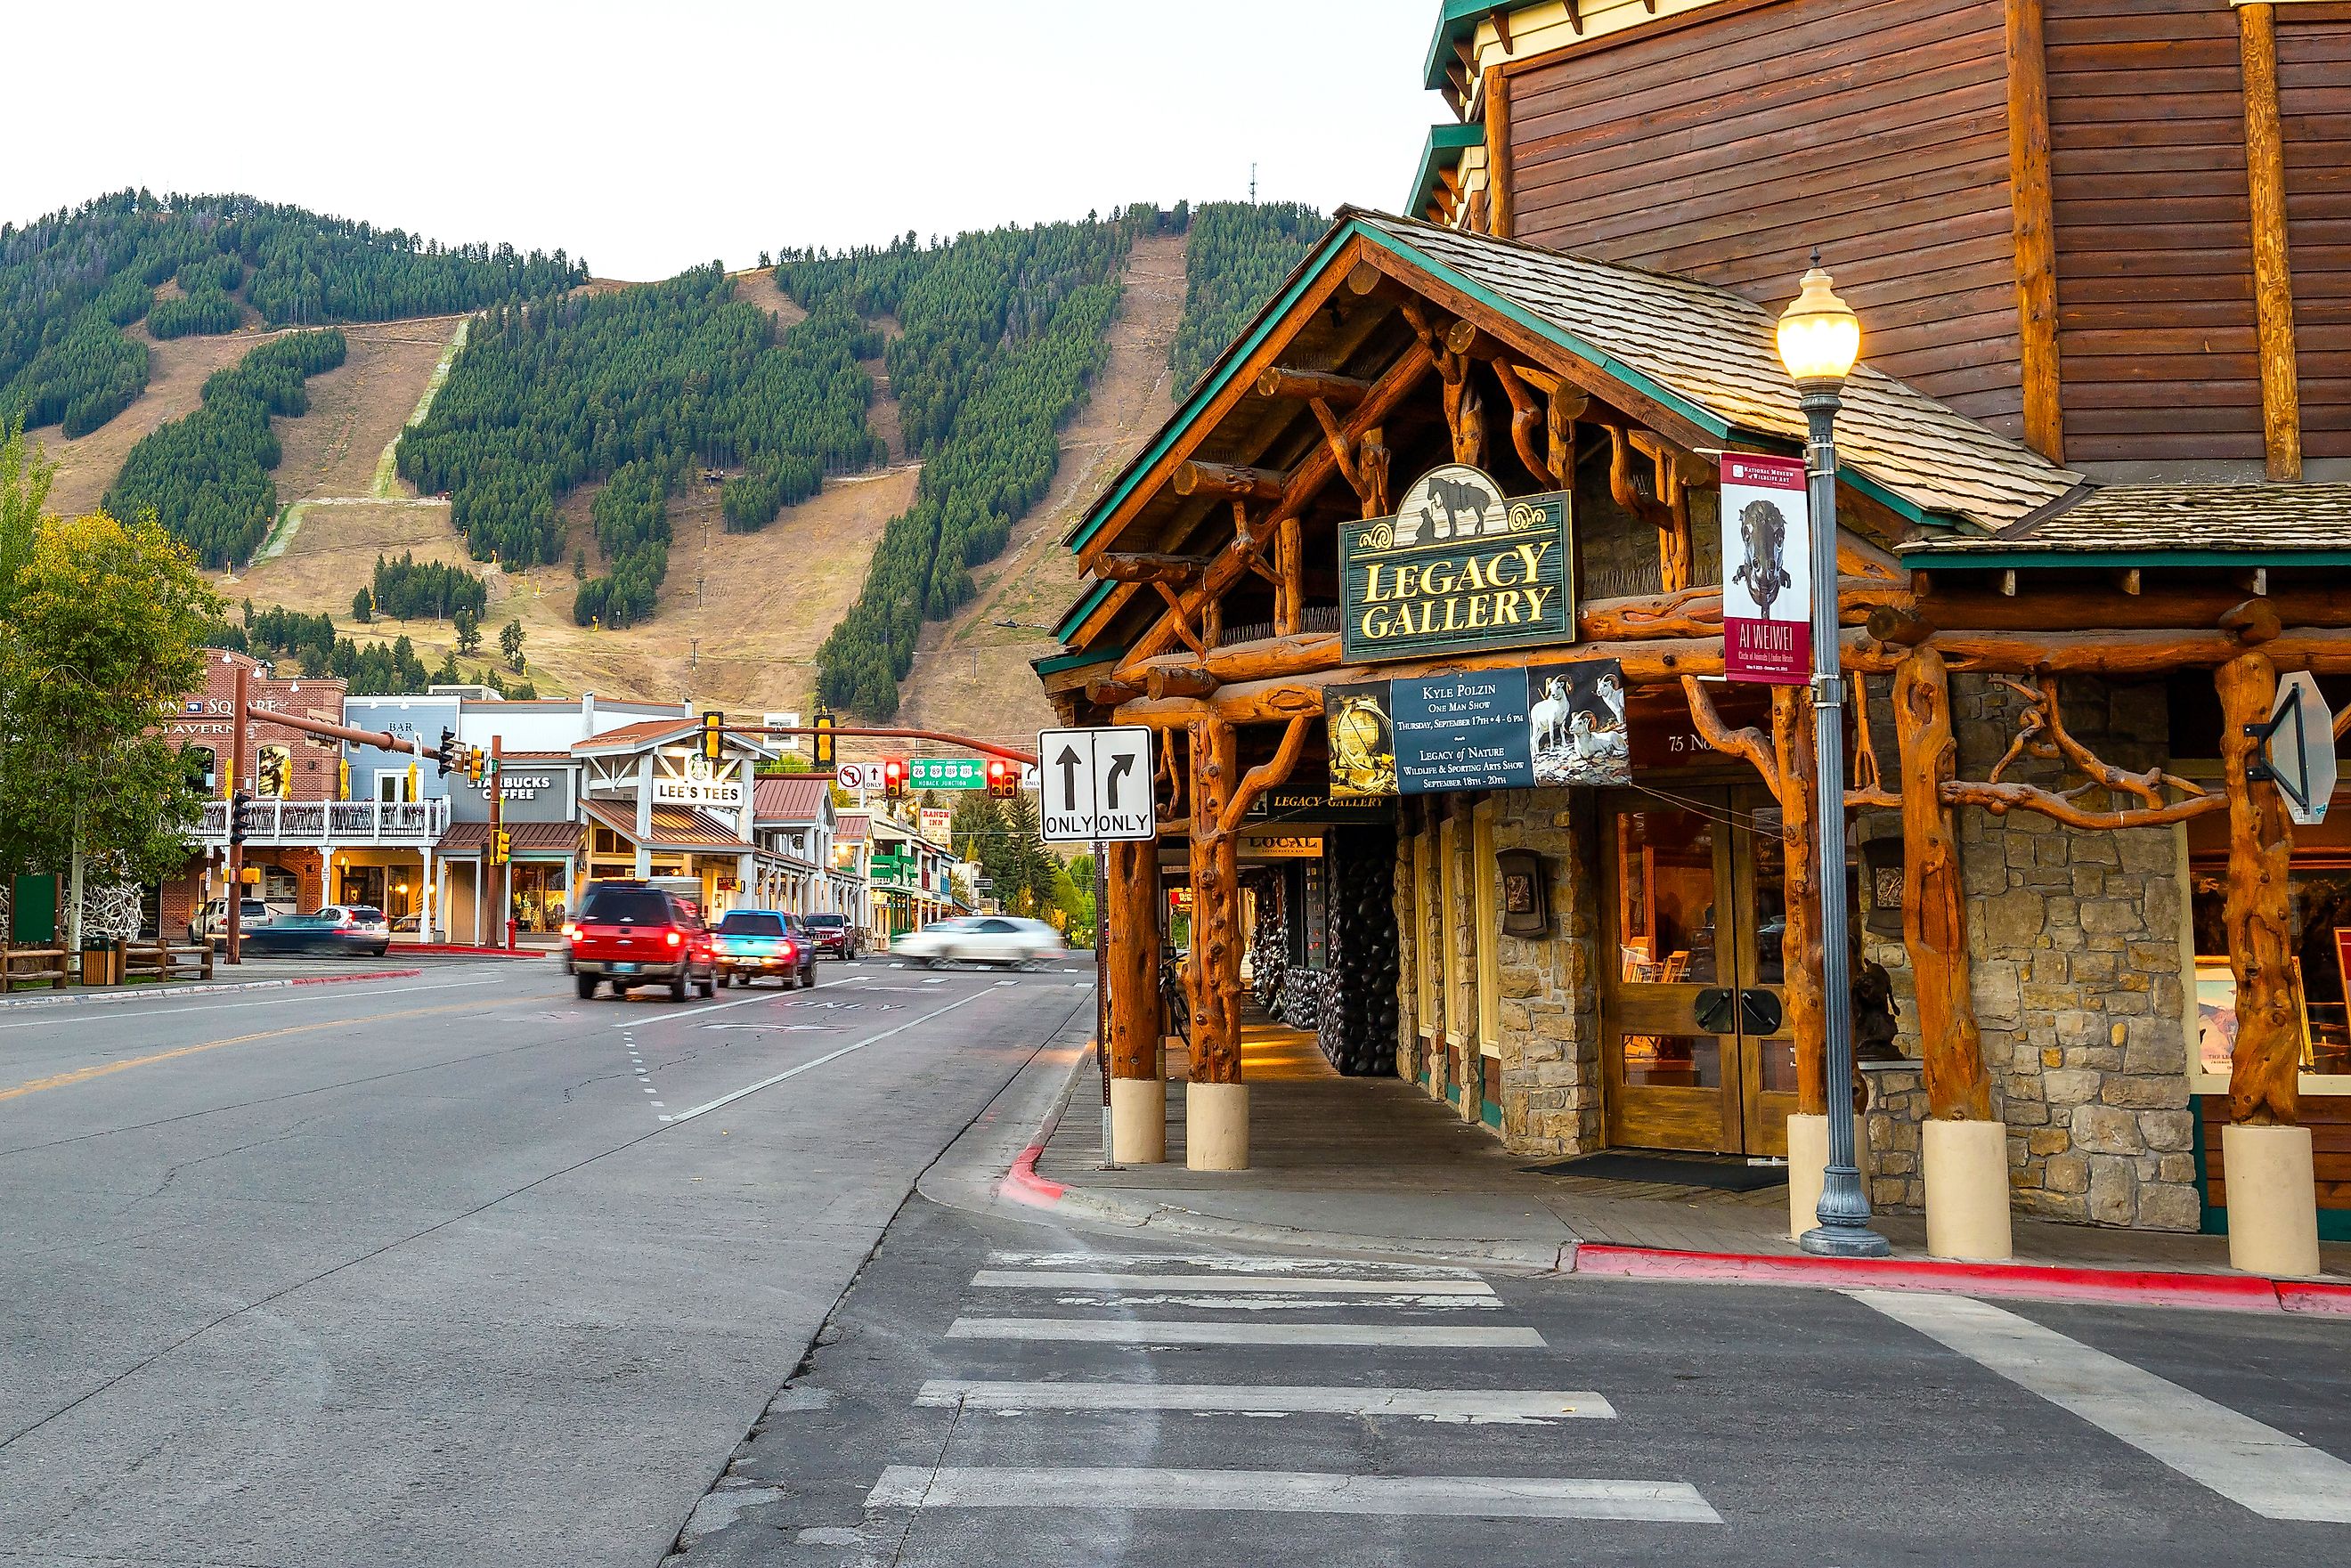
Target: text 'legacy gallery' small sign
1458,568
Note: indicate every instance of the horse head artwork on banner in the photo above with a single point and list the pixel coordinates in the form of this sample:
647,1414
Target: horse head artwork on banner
1763,568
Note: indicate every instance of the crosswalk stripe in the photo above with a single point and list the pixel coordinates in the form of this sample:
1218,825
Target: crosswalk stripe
1130,1330
1226,1284
1290,1492
1267,1303
1226,1262
2274,1475
1475,1407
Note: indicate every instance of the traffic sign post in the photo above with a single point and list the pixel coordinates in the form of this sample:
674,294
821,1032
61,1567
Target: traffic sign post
1096,785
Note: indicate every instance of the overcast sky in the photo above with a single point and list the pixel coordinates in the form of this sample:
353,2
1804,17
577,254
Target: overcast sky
655,136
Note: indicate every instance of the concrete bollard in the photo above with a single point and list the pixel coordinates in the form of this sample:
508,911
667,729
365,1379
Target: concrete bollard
1808,1157
2272,1200
1966,1165
1215,1126
1138,1121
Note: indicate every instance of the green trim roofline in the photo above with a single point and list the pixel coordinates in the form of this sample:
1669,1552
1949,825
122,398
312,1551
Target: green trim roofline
1053,663
1442,151
1962,559
1457,22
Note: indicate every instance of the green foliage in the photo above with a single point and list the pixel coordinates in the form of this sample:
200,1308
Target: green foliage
1236,257
362,607
410,589
640,388
71,279
207,477
510,643
469,621
1002,332
1002,838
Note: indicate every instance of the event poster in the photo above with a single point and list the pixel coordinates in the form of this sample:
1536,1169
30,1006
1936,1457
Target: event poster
1576,728
1767,577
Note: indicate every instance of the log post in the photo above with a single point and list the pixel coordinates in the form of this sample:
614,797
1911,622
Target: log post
1138,1089
2273,1198
2273,268
1964,1150
1288,569
1799,953
1215,1102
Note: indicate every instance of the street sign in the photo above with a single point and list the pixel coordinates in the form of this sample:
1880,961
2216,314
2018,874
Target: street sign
1097,784
2300,747
946,773
850,776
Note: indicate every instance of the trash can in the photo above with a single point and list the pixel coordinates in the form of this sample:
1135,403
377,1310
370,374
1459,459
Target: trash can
99,965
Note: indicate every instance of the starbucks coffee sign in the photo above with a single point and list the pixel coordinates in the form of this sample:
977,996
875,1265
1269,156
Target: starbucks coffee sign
1459,568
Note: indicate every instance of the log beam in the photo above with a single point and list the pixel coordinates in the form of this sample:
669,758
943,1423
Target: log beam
1145,566
2273,268
1338,390
1222,479
1934,899
2262,1091
1161,680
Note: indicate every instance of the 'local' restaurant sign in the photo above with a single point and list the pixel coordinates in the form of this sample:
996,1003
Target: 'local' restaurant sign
1458,568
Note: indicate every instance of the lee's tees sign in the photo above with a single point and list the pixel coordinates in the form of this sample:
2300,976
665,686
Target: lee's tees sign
1458,568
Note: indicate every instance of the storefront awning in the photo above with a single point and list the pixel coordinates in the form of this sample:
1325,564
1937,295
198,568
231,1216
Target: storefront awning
545,838
673,827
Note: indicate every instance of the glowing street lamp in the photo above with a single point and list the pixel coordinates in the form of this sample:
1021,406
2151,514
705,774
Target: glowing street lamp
1819,340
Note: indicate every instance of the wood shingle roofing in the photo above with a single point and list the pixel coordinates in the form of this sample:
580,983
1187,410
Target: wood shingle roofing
2159,520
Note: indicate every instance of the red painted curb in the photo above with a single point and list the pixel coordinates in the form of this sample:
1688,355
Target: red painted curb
342,980
1027,1184
481,952
2120,1287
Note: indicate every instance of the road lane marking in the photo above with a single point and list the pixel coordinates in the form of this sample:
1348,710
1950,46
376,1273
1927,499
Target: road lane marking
654,1018
750,1088
1289,1492
1226,1284
1237,1263
2257,1466
104,1069
77,1017
1494,1407
1131,1331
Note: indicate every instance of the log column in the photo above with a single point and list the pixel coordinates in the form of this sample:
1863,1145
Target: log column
1964,1150
2273,1201
1215,1102
1138,1089
1800,955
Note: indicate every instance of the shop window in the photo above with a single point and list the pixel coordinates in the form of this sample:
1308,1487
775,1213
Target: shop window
1424,879
1486,929
1665,893
2318,918
1448,892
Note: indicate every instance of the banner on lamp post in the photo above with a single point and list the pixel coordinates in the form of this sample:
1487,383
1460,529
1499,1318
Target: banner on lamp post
1767,575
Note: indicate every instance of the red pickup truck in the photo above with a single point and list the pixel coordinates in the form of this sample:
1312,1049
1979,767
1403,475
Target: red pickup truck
632,934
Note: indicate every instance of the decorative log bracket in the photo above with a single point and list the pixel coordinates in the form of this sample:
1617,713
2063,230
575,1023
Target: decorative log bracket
1148,566
1750,742
2041,733
1265,776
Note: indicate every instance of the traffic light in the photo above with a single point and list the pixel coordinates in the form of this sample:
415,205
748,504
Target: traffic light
823,724
503,851
446,754
342,779
893,778
474,758
713,736
239,804
1003,783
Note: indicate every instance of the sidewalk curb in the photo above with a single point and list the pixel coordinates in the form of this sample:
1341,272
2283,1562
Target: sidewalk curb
152,993
463,949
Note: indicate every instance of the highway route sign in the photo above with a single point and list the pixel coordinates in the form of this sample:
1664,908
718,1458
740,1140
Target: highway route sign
1097,784
946,773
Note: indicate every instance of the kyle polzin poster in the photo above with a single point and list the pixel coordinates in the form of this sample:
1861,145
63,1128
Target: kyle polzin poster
1767,572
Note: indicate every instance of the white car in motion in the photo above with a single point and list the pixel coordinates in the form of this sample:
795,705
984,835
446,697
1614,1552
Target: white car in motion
978,939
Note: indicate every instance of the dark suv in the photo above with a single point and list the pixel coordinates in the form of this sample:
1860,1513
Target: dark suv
833,933
632,934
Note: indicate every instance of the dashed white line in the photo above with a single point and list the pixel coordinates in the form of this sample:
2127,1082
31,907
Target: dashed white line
1133,1331
1289,1492
1477,1406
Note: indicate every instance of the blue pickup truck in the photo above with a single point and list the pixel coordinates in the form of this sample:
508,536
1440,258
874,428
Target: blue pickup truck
752,943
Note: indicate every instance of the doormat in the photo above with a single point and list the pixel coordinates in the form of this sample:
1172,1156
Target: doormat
1723,1173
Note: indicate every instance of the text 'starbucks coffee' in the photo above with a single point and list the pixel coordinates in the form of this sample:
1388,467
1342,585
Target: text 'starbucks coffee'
1458,568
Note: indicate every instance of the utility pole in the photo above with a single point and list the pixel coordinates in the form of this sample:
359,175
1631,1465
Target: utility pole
497,819
235,848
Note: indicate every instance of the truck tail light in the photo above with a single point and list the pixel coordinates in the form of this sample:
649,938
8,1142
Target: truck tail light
673,938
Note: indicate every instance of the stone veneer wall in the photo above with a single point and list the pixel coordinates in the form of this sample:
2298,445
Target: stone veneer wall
1550,985
2078,983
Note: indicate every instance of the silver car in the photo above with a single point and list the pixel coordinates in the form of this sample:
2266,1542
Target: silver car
1002,939
214,920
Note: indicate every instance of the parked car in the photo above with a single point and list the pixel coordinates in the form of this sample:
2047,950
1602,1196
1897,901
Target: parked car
979,939
338,929
835,936
632,934
212,919
750,943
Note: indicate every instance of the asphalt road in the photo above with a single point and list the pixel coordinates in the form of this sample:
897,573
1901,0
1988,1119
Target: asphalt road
452,1270
1000,1392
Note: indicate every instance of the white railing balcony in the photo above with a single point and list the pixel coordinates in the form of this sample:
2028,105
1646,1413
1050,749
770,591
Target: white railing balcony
331,823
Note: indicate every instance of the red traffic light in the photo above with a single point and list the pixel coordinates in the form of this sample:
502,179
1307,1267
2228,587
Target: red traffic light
894,776
1002,783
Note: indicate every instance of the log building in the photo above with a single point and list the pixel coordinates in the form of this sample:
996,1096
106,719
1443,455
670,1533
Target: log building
2095,504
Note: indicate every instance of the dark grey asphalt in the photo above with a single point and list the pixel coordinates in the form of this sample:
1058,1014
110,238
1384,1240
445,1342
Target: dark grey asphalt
412,1272
1820,1431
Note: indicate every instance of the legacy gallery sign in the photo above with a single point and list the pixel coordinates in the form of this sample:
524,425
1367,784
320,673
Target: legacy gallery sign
1458,568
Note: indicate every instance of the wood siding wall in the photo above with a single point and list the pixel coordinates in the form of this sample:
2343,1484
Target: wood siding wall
2314,103
2328,1117
2154,279
1725,145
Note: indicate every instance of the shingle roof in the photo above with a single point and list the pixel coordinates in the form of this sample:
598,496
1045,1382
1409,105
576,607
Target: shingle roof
674,827
792,797
1708,347
850,827
644,732
472,838
2155,519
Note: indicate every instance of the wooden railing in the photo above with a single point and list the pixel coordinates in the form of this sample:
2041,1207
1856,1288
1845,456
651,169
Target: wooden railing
114,963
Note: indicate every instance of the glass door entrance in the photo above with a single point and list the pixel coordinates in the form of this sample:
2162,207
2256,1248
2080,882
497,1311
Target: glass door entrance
1694,1040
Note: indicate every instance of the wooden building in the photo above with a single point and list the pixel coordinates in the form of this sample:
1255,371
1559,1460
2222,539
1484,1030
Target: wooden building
2075,561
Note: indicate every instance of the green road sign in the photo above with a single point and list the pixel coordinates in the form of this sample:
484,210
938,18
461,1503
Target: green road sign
946,773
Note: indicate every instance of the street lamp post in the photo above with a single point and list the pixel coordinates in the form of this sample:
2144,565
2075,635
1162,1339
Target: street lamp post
1820,339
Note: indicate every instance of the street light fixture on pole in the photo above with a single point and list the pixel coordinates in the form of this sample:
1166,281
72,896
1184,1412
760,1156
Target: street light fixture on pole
1820,339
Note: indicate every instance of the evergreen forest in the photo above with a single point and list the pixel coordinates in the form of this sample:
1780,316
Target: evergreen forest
639,391
207,477
1002,332
367,669
71,281
1238,257
410,590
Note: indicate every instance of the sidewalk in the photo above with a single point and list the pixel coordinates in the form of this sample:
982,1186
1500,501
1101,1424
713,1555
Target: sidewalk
1374,1166
252,975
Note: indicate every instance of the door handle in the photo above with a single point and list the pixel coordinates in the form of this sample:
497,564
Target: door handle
1759,1012
1716,1010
